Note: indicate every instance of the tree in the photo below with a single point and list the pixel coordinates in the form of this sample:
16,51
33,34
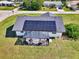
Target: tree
35,6
64,2
32,4
72,31
41,2
26,4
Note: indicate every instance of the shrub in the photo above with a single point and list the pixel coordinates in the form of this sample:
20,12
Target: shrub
72,31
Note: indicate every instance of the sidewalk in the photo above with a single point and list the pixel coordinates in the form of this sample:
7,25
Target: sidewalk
41,12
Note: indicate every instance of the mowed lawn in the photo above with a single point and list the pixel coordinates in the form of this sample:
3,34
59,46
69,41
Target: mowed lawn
6,8
58,49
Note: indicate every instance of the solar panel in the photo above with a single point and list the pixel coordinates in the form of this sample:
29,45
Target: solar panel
40,26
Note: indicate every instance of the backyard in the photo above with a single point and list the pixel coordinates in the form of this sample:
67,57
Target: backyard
58,49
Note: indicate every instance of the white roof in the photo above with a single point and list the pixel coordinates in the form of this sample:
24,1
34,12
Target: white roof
6,2
72,2
53,2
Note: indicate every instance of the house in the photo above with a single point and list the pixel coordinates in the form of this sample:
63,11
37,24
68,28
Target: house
7,3
15,0
41,27
52,3
73,4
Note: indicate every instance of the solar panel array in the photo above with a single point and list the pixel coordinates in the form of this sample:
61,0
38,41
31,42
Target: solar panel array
49,26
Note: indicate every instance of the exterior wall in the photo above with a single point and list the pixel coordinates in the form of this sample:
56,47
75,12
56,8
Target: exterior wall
6,3
19,33
59,35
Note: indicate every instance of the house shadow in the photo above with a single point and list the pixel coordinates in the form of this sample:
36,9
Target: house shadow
9,32
20,40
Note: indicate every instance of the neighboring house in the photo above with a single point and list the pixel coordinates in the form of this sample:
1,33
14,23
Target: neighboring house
6,3
52,3
73,4
45,26
15,0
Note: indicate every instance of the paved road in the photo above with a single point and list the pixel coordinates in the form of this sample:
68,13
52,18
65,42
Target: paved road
5,14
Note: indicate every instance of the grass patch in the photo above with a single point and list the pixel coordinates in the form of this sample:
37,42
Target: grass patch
58,49
6,8
70,18
48,9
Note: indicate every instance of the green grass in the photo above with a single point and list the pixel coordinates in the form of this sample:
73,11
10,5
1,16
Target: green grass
58,49
6,8
48,9
70,18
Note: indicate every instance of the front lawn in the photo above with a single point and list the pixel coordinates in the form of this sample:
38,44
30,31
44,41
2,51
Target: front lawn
6,8
58,49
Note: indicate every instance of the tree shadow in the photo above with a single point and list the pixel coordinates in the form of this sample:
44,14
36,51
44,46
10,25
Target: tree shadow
9,32
21,41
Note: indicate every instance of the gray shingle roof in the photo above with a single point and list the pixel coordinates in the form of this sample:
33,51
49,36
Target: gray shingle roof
59,25
47,14
20,24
